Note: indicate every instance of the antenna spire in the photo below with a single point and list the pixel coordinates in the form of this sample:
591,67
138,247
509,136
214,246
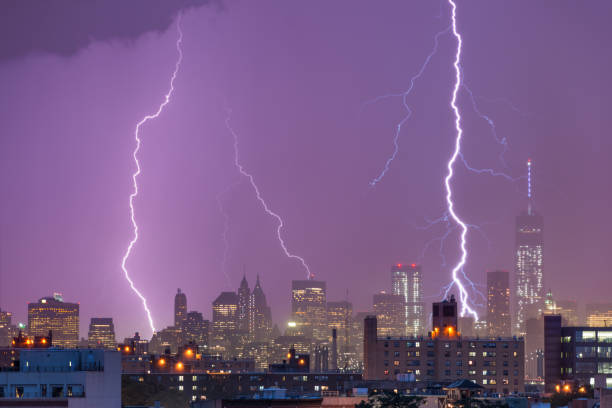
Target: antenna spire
529,190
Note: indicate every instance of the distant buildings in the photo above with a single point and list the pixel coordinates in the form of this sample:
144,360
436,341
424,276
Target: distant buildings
309,308
196,329
180,308
498,303
445,356
599,314
101,333
260,319
390,312
529,264
406,281
55,315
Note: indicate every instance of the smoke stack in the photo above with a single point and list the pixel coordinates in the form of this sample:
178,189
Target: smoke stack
334,362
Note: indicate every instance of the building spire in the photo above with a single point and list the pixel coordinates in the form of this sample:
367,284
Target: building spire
529,190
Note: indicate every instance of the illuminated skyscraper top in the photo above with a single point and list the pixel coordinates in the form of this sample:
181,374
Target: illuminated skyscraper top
529,261
406,282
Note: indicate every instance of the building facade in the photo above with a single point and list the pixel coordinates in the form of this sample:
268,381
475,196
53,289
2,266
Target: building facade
390,312
101,333
498,304
576,354
55,315
225,315
309,308
406,281
445,356
261,314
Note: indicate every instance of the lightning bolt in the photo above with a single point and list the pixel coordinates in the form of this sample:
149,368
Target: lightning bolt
138,170
404,95
279,220
224,237
463,293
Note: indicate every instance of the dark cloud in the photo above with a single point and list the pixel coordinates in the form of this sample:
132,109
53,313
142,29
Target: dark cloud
63,27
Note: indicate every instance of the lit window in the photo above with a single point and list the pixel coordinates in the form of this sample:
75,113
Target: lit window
180,378
180,388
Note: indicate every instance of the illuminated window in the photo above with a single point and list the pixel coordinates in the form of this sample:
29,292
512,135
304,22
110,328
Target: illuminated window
180,378
180,388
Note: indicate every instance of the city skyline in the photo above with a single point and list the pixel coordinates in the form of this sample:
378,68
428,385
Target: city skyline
66,181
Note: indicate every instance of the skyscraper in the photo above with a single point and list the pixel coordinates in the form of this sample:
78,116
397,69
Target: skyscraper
308,308
53,314
260,314
101,333
529,263
498,303
225,315
406,282
339,316
180,308
244,301
390,314
195,329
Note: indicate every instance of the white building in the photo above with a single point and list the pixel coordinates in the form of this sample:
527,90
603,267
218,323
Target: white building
72,378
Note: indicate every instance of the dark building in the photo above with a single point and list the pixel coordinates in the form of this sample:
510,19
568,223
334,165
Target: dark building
295,363
576,354
180,308
260,315
529,263
196,329
445,356
101,333
498,303
55,315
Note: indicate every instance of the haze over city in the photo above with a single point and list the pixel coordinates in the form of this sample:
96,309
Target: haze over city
297,78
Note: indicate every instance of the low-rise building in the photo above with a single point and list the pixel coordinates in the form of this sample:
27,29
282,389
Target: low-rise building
445,356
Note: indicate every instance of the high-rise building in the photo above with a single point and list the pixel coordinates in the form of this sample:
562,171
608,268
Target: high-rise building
339,316
529,263
225,315
390,313
195,329
309,308
406,282
498,303
260,314
55,315
244,301
101,333
7,329
180,308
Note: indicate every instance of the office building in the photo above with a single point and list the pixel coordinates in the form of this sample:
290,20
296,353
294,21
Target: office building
225,316
101,333
406,281
339,317
445,355
498,304
390,311
260,314
55,315
309,308
529,263
180,308
196,329
244,302
580,355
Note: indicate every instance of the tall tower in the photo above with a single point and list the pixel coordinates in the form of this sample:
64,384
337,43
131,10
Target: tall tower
406,282
529,261
180,308
309,308
260,320
498,303
244,301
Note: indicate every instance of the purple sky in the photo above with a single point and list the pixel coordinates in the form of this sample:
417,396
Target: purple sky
296,75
